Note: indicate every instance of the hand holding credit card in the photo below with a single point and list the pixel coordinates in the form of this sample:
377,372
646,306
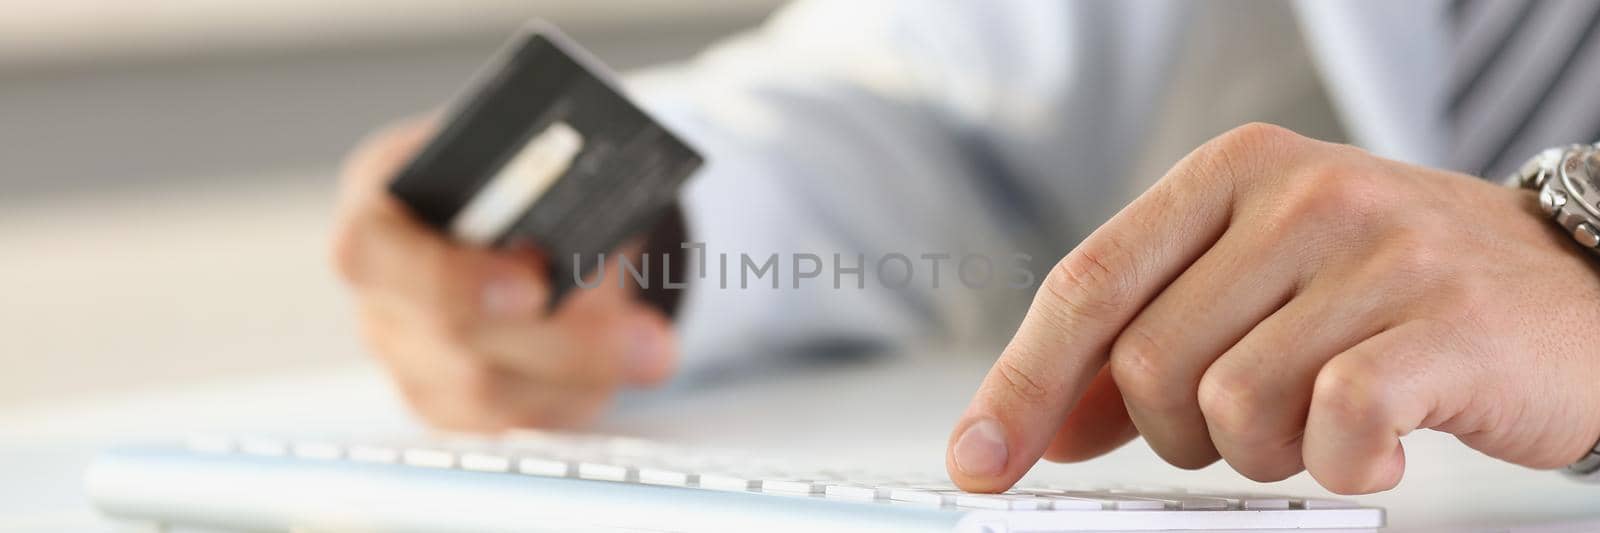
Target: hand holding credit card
545,150
457,237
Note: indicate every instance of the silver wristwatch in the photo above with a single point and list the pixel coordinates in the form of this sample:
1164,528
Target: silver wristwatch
1568,181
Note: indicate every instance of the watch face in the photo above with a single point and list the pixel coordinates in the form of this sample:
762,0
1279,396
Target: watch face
1581,176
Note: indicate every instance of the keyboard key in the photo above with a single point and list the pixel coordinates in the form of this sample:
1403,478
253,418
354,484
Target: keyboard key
316,450
264,447
1060,501
1121,502
928,486
374,454
1252,502
924,496
1150,489
210,444
1185,502
673,478
602,472
1321,504
729,482
485,462
1003,502
428,458
859,493
540,466
791,486
1070,503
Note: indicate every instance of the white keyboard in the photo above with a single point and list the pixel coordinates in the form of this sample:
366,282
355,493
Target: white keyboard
549,481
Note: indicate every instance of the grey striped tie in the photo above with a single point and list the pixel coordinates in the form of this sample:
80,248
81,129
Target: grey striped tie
1525,75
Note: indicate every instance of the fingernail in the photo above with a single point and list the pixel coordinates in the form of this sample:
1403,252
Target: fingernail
509,296
981,449
645,353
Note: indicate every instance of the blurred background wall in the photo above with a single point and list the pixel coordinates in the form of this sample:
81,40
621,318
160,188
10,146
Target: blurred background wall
167,167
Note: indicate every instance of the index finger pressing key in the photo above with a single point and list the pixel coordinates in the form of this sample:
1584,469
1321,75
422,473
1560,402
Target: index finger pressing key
1083,305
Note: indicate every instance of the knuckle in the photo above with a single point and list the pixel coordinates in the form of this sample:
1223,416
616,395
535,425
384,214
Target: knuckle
1019,382
1412,257
1336,191
1415,261
1088,283
1276,224
1466,297
1141,371
1243,143
1348,391
1245,139
1236,412
1229,399
1256,136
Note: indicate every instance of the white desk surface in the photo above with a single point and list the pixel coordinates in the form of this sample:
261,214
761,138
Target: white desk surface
892,412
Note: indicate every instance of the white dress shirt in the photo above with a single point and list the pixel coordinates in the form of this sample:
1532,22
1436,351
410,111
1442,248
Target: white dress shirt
997,127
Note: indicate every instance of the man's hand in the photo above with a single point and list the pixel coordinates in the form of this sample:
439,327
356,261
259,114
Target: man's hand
1286,304
465,330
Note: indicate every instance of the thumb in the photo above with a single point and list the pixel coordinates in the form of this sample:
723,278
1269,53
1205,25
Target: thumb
1420,375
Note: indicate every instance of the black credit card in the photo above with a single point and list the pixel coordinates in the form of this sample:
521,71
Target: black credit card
544,149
